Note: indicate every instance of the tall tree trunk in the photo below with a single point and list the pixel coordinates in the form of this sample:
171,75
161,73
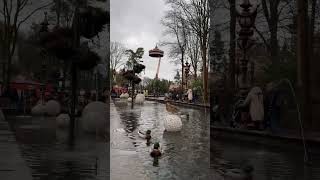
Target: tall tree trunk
311,27
303,62
205,72
273,27
232,50
76,44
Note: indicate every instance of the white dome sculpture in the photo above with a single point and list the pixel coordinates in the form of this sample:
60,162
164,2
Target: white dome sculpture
63,120
95,106
129,99
38,109
172,123
52,108
94,117
93,122
140,98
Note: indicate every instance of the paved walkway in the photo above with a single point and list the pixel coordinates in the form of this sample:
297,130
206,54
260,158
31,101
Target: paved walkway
12,165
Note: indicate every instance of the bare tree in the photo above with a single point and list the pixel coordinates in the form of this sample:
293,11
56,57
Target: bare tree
11,13
176,26
197,16
232,50
276,16
117,52
193,52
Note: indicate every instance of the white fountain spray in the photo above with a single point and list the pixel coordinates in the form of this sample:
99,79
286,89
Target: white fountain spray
306,158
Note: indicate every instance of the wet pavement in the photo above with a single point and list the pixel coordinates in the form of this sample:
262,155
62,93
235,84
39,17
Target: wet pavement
186,153
46,151
12,165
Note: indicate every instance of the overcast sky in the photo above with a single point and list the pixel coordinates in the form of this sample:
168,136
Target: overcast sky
136,23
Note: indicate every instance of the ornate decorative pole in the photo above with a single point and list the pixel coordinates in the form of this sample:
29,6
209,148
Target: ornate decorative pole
44,29
246,21
187,70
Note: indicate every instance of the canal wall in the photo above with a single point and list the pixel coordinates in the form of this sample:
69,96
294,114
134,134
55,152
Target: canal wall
12,165
265,137
179,103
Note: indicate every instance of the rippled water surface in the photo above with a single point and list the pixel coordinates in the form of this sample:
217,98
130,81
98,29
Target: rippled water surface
46,151
186,153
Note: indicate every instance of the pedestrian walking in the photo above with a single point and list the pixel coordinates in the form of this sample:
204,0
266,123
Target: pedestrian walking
190,97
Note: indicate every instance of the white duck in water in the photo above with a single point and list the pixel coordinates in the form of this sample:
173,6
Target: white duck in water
172,121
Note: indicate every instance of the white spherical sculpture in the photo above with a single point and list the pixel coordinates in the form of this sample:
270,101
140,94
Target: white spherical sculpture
63,120
52,108
140,99
94,117
172,123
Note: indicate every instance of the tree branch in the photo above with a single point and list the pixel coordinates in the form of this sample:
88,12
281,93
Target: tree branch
32,12
262,37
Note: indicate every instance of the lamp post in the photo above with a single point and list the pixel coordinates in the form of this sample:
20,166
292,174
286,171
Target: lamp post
246,21
44,29
187,71
43,74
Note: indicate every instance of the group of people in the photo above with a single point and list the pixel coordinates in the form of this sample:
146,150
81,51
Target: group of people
259,109
188,96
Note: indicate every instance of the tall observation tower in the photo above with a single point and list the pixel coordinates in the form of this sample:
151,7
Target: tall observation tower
156,53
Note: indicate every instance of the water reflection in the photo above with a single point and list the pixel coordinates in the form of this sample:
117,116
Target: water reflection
49,156
282,162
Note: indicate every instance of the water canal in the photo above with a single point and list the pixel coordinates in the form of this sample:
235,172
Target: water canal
46,151
270,160
186,153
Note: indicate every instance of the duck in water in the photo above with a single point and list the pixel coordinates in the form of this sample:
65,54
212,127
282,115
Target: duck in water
146,136
156,152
